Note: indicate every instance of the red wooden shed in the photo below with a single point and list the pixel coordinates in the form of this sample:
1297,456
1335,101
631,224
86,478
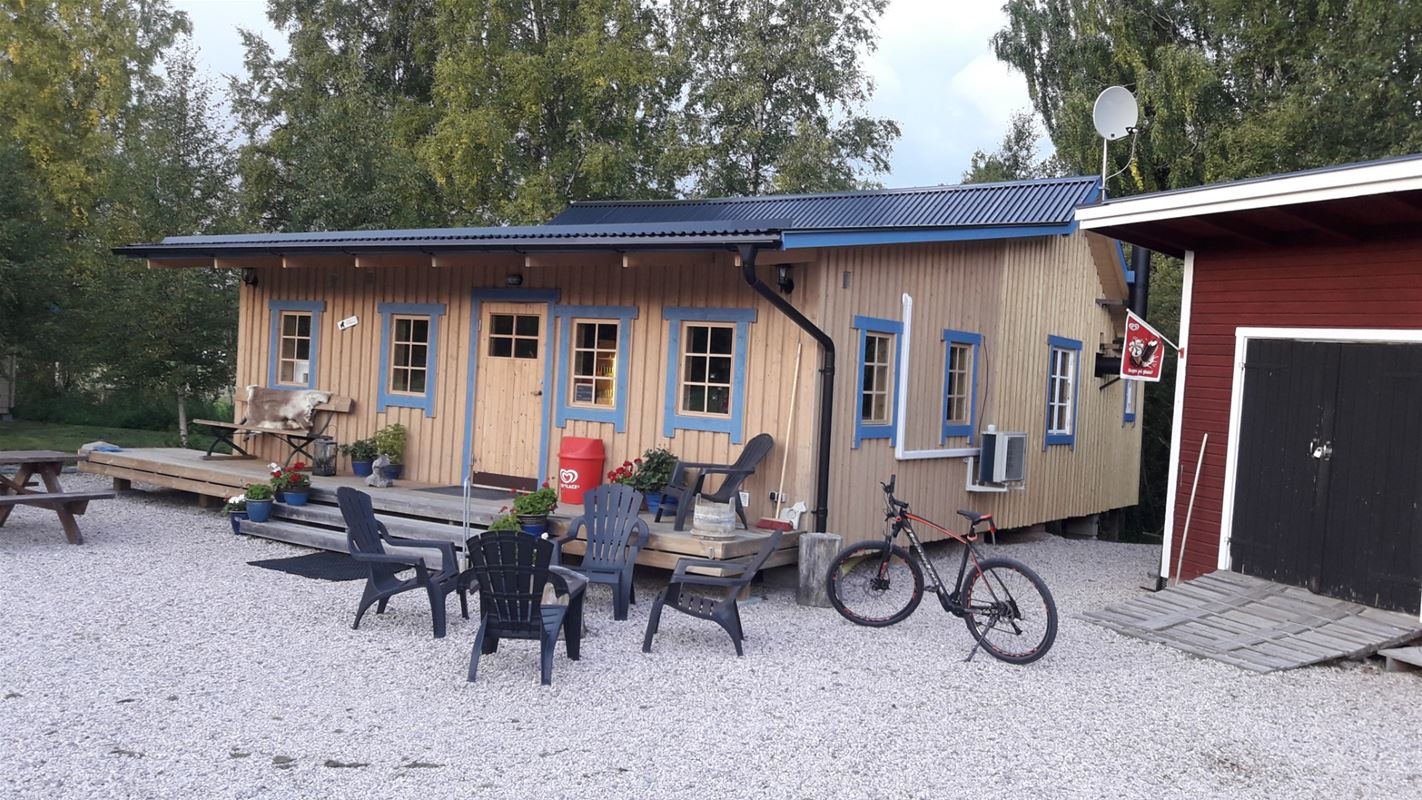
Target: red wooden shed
1301,329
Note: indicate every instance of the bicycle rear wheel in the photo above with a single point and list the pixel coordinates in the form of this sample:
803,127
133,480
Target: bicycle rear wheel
1009,610
874,584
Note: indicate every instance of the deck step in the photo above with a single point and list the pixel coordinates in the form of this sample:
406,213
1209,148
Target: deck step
426,506
323,539
1402,659
330,517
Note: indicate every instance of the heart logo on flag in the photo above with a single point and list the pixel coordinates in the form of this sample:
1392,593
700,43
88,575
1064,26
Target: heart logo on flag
568,476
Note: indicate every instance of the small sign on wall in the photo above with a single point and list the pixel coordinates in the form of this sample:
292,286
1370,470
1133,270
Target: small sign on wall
348,322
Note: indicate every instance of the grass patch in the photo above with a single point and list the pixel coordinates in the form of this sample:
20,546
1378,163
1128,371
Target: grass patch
25,435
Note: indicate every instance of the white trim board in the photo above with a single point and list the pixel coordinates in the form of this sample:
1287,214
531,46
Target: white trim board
1400,175
1177,412
1242,337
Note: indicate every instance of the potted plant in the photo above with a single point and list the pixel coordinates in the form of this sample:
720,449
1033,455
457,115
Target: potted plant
236,511
390,442
507,522
651,473
292,483
532,509
259,502
362,454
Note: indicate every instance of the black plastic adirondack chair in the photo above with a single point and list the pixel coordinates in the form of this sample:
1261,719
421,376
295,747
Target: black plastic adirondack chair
722,610
729,491
513,568
615,534
367,537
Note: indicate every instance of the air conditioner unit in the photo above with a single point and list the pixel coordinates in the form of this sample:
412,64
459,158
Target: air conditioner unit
1003,458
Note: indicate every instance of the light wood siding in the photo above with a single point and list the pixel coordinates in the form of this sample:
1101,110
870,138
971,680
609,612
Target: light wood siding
348,361
1015,293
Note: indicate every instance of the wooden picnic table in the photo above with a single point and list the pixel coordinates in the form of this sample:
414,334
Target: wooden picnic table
46,465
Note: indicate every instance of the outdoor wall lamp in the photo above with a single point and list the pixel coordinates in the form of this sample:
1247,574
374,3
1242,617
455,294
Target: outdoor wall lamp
787,283
513,279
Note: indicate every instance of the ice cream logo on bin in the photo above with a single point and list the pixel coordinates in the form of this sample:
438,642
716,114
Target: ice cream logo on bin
568,477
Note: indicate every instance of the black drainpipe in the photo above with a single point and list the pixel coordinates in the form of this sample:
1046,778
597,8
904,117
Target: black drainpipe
1140,290
822,466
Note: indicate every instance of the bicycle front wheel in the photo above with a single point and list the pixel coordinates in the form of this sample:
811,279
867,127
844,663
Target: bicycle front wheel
1009,610
875,584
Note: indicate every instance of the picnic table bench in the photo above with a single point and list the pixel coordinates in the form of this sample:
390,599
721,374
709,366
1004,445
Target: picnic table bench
45,464
298,439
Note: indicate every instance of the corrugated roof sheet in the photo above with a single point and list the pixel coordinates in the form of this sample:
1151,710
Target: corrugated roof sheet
666,234
1038,202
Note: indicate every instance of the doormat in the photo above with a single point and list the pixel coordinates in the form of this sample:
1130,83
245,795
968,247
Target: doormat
478,492
321,566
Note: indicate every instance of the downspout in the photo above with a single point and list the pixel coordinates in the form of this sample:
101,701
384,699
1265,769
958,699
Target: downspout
1140,288
822,457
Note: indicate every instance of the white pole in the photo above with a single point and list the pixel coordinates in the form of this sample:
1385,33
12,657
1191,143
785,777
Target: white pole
1189,510
901,451
789,429
1105,143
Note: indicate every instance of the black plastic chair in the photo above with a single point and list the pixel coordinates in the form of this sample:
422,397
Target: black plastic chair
615,535
367,537
722,610
729,491
512,569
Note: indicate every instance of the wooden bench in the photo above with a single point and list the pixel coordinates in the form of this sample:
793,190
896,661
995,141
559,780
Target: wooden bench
73,502
298,440
47,466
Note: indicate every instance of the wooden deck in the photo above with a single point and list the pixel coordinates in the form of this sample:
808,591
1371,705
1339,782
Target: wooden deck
404,508
1257,624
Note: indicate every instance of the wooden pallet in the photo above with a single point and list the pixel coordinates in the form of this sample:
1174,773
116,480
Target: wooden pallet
1402,659
1257,624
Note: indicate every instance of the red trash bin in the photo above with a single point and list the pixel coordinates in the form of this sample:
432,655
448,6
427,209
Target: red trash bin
579,467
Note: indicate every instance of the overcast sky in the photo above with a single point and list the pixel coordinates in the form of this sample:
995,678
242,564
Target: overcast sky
934,73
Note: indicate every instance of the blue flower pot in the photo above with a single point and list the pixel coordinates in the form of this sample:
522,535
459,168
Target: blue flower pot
392,471
236,518
259,510
655,503
533,526
297,498
362,468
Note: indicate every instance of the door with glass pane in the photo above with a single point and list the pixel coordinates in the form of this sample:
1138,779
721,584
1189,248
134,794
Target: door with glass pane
508,394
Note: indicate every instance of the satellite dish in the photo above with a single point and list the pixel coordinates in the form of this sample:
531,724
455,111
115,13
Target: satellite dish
1115,113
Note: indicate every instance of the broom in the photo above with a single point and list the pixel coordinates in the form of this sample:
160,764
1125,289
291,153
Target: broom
776,523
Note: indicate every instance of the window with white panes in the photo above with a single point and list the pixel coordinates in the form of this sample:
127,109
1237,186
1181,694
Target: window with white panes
294,349
513,335
876,394
409,354
708,352
958,400
594,373
1061,392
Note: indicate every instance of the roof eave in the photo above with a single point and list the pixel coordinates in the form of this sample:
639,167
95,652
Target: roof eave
514,246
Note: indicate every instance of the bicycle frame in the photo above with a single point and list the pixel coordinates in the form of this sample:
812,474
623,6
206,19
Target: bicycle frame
902,521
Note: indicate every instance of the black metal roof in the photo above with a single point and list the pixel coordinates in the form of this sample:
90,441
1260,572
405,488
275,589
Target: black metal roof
1049,201
695,235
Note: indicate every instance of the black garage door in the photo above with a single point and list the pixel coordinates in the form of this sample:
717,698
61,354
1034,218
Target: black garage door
1328,487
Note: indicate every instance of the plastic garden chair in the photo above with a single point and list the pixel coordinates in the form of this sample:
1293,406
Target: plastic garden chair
615,535
723,609
367,537
729,491
513,568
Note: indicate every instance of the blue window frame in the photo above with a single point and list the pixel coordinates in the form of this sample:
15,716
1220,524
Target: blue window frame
295,343
1132,394
1063,383
409,342
960,383
700,394
876,412
585,390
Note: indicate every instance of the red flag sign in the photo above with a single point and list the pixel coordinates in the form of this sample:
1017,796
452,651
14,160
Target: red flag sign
1143,354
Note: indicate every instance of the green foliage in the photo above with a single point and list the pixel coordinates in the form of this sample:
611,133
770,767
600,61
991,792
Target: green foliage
653,470
507,522
259,491
536,503
390,442
26,435
1016,158
360,450
133,409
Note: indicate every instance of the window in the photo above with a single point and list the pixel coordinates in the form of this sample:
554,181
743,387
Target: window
295,343
593,348
1061,390
1129,415
513,335
960,381
875,390
707,353
706,367
409,343
594,364
294,359
877,379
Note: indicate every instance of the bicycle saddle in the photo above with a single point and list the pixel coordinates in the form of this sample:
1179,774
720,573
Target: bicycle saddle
973,517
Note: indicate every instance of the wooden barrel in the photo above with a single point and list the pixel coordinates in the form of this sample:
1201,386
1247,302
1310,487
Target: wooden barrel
713,520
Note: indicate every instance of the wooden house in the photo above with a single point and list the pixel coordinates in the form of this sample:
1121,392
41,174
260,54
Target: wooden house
923,318
1301,329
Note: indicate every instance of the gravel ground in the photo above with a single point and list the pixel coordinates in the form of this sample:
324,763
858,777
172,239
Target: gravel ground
154,662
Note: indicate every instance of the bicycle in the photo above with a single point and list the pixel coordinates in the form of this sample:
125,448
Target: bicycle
1007,607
